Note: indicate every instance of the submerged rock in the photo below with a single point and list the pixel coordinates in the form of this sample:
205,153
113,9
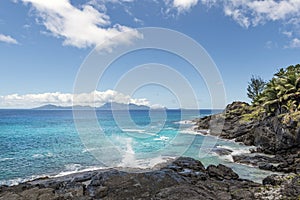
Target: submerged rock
222,151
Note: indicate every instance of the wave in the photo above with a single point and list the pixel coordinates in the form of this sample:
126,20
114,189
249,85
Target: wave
170,128
69,169
17,181
141,131
37,156
192,130
133,130
184,122
237,150
42,155
5,159
88,150
76,168
161,138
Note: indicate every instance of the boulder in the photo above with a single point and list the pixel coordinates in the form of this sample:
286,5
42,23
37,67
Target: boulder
222,172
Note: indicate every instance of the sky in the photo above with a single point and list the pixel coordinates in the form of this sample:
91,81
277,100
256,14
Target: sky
43,45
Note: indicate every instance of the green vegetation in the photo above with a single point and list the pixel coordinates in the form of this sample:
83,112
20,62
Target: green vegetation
255,87
256,112
280,96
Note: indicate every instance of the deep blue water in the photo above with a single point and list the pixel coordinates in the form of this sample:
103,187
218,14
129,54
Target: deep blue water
46,142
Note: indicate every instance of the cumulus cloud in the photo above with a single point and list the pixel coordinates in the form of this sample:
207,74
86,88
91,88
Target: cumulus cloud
256,12
295,43
95,98
8,39
83,26
252,13
184,5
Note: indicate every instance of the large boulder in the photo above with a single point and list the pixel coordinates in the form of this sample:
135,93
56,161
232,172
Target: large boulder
222,172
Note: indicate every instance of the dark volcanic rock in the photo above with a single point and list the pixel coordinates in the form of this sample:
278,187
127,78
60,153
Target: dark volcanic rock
222,172
273,180
184,178
222,151
268,134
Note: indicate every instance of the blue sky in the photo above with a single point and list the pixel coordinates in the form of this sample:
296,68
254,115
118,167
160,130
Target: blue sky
43,44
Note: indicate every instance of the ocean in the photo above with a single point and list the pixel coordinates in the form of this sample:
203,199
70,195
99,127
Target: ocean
38,143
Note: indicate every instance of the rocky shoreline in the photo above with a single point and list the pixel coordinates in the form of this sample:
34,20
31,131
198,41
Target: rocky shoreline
184,178
279,143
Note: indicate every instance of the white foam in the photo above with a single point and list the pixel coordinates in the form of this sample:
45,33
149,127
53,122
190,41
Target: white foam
5,159
49,154
192,130
161,138
130,160
129,157
64,173
169,128
148,163
141,131
73,167
237,150
89,149
17,181
133,130
37,155
184,122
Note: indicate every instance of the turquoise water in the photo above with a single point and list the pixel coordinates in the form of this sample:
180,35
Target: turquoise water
37,143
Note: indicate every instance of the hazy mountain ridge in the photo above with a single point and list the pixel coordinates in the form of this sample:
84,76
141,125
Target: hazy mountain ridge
107,106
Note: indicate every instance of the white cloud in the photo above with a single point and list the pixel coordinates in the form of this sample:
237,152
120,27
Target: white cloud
258,12
138,21
8,39
184,5
288,33
80,27
248,13
237,15
255,12
271,45
295,43
95,98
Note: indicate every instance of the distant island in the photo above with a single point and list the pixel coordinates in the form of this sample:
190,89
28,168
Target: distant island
107,106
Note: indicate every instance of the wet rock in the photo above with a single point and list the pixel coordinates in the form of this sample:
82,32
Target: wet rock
184,178
266,166
273,180
222,172
222,151
268,134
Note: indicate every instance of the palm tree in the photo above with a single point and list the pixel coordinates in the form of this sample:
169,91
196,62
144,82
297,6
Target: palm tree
269,97
282,90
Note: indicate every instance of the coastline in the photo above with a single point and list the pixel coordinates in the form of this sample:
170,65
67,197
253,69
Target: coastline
276,149
184,178
177,179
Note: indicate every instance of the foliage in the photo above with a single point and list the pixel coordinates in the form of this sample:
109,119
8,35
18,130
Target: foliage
255,87
255,113
280,96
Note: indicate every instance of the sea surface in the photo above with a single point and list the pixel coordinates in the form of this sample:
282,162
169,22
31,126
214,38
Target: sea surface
37,143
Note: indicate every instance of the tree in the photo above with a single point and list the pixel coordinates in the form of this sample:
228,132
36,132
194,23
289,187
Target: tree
255,87
282,93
